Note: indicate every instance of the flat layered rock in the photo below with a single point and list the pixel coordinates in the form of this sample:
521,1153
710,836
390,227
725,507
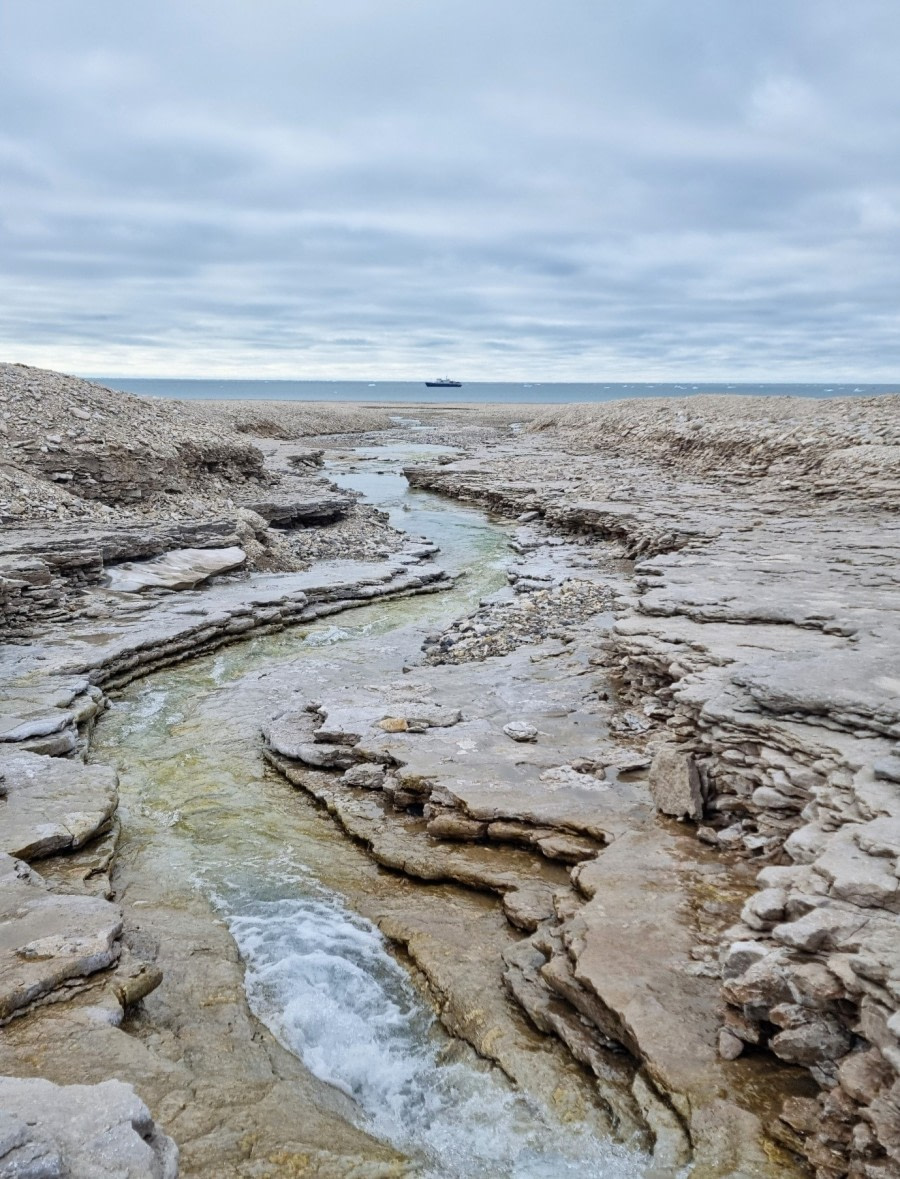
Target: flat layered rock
630,947
50,805
52,1131
49,941
285,510
177,570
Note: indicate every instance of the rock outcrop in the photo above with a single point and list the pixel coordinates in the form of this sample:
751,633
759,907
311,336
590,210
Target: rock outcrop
759,635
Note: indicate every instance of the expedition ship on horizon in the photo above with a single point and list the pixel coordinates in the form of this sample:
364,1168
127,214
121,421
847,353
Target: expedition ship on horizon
443,383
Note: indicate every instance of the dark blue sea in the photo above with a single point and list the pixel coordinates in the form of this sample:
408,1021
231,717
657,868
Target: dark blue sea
475,391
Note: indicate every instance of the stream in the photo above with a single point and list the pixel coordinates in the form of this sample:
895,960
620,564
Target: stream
198,804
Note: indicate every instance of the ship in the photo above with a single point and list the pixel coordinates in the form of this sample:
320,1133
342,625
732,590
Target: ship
443,383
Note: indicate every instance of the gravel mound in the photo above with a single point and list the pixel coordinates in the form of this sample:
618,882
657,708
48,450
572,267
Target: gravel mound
71,449
741,435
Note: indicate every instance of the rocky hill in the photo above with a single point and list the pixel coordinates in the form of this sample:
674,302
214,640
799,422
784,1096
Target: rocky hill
71,449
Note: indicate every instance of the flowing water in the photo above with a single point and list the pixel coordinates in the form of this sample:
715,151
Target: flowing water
196,801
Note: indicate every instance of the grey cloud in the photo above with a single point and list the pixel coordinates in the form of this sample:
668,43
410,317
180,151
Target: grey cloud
575,190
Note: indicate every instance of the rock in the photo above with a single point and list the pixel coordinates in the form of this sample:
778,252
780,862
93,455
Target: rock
740,956
177,570
764,908
887,768
812,1043
729,1045
369,776
675,784
520,731
526,907
394,724
52,805
48,940
290,511
80,1132
568,848
454,826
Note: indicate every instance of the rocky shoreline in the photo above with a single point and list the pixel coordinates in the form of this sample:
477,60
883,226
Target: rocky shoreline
669,749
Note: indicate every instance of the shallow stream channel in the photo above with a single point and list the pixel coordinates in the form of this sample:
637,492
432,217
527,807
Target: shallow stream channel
204,822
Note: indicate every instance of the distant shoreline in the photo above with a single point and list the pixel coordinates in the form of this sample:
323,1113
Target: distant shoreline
400,393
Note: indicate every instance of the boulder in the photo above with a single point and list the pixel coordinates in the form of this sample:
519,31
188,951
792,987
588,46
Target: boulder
519,730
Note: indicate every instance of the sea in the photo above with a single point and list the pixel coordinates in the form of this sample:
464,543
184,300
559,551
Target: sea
481,392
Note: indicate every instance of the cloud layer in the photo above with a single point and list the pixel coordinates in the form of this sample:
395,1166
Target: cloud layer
575,190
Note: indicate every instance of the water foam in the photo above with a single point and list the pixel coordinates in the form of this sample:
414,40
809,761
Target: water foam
323,982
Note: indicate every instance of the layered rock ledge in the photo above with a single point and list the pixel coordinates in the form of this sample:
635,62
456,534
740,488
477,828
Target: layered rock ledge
758,637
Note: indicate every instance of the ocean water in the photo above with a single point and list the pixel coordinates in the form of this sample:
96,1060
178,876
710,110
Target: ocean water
475,391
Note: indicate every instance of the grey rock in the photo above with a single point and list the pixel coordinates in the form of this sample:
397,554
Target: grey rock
52,805
520,731
675,784
367,775
729,1045
80,1132
177,570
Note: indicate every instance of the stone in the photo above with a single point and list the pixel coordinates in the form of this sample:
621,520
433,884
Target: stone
528,906
367,775
812,1043
80,1132
729,1045
176,570
455,826
764,908
675,784
394,724
52,805
863,1075
520,731
49,940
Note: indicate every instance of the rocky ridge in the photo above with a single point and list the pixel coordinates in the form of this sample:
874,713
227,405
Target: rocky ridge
758,638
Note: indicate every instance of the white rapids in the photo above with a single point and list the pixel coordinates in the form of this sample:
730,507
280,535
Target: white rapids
321,979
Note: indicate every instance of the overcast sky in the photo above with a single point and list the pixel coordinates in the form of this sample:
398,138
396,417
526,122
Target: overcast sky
532,189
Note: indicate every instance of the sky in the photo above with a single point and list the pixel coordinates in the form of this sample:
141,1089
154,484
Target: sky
494,189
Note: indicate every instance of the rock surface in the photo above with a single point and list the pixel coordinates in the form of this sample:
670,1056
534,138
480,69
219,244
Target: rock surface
80,1132
705,589
176,570
760,633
